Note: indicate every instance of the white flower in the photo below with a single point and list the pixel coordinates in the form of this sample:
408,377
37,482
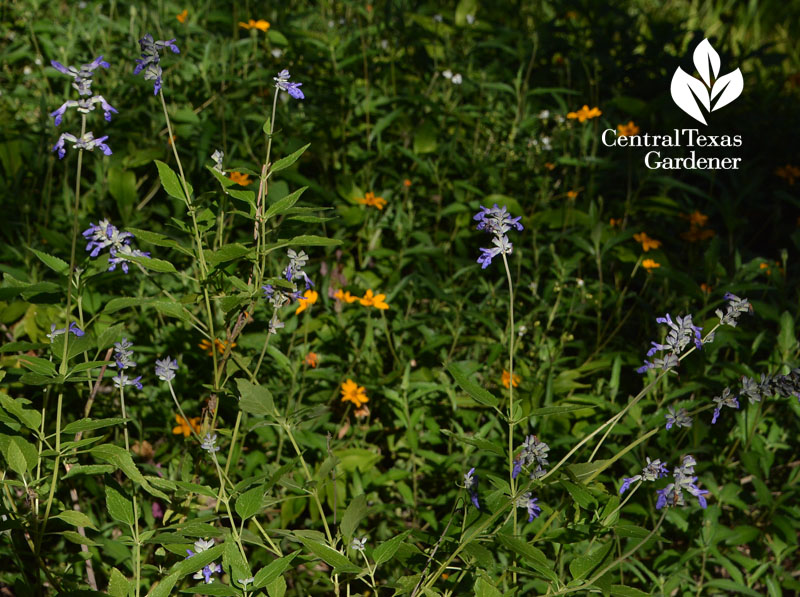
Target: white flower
246,581
276,52
437,18
448,74
456,79
201,545
544,114
546,144
358,544
470,19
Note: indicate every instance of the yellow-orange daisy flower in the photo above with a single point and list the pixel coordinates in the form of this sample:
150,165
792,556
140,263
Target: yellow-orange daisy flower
206,345
647,242
615,222
185,427
253,24
407,182
788,173
627,130
550,165
311,360
240,178
370,199
507,379
572,194
585,113
311,298
182,17
378,300
345,296
706,288
650,265
352,392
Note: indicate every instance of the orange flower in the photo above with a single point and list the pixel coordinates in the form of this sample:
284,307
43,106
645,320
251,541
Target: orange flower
311,360
259,24
371,199
550,165
696,218
407,182
185,427
628,130
706,288
788,173
345,296
572,194
377,301
311,298
171,140
182,17
507,379
647,242
650,265
584,113
352,392
697,234
615,222
240,178
206,345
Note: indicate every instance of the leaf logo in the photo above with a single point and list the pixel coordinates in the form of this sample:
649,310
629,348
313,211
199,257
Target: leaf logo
690,93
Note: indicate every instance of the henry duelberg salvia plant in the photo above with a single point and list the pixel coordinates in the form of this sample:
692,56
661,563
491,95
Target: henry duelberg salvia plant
206,525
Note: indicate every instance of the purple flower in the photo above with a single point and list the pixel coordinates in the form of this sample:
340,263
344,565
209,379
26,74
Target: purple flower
149,62
498,222
680,418
121,380
82,75
517,468
166,368
87,142
626,483
282,82
654,469
528,502
685,480
73,328
533,452
680,335
736,306
158,512
471,484
106,235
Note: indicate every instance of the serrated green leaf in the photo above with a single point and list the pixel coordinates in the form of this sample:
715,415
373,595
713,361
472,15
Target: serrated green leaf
78,539
283,205
16,459
54,263
119,507
249,503
32,419
91,424
160,240
121,458
624,591
284,163
580,495
171,182
227,252
581,566
275,568
558,410
153,264
118,585
386,550
339,562
89,469
256,400
76,519
183,568
353,515
533,555
215,588
483,588
475,391
309,240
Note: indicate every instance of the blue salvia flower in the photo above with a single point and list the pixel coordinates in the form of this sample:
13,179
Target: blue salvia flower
121,380
471,484
736,306
209,443
105,235
73,328
680,418
84,106
282,82
82,75
297,261
87,142
149,62
497,222
200,546
528,502
654,469
533,452
166,368
123,355
217,157
726,400
680,335
685,480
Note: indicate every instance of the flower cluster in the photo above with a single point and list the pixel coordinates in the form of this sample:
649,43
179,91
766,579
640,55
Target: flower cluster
680,418
73,329
213,568
497,222
526,501
685,479
736,306
282,82
149,62
784,386
217,157
83,84
209,443
166,368
681,334
628,130
105,235
369,299
123,359
352,392
697,231
533,452
278,296
260,24
654,470
221,345
646,242
455,79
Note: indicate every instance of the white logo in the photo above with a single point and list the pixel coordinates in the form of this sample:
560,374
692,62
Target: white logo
687,91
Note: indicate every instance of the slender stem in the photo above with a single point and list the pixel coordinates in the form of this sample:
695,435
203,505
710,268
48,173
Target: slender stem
186,420
512,480
137,565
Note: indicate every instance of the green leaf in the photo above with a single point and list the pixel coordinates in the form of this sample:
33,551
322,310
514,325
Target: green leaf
256,400
277,588
121,458
309,240
624,591
731,587
581,566
183,568
160,240
119,507
483,588
32,419
223,180
54,263
171,183
476,392
91,424
425,139
557,410
38,365
742,534
283,205
153,264
249,503
532,554
118,585
78,539
386,550
275,568
284,163
172,310
76,519
227,252
580,495
16,459
339,562
352,517
89,469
